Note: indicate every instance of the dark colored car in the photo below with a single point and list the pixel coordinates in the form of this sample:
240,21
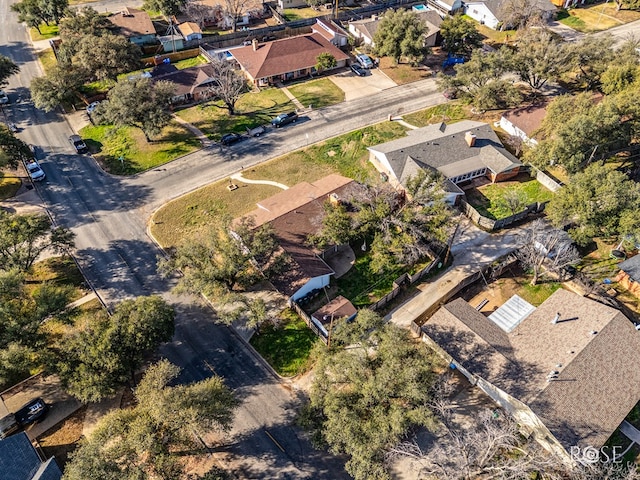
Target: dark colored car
284,118
450,93
230,138
8,425
78,144
31,412
358,70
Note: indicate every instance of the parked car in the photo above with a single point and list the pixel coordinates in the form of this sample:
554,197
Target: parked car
256,132
284,118
31,412
3,97
230,138
92,106
35,172
450,93
78,144
365,60
8,425
358,70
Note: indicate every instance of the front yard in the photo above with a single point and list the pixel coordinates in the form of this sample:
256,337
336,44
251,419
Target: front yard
317,93
446,112
489,200
402,73
594,18
124,150
9,185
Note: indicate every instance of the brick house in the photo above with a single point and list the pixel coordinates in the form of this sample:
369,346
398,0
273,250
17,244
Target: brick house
192,85
286,59
563,370
461,152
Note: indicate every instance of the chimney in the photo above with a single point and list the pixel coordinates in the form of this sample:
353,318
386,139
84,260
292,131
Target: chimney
470,138
254,42
334,200
556,318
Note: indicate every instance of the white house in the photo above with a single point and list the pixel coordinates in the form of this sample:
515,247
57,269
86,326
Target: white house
445,7
331,32
489,12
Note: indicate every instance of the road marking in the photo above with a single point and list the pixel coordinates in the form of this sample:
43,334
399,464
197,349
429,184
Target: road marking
275,441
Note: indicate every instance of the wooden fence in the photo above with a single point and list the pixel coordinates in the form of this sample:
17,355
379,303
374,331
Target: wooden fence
307,319
491,224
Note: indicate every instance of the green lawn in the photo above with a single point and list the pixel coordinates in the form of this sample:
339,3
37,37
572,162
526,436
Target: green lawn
488,199
597,17
291,14
571,21
124,150
253,109
61,272
47,59
317,93
536,294
287,346
446,112
9,185
46,32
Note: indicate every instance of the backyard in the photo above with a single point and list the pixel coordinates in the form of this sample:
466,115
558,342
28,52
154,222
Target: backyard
489,200
124,150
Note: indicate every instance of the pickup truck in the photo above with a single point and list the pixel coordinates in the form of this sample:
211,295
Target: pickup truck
284,118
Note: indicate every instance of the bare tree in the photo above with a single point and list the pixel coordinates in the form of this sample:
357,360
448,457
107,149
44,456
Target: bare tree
229,84
520,13
200,13
515,200
516,143
234,9
545,250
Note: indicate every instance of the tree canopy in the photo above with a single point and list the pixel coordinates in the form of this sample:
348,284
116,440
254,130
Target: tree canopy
401,34
107,56
229,84
459,35
167,7
7,68
12,149
366,398
325,61
35,12
145,442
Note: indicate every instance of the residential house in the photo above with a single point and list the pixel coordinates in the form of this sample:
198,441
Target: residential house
366,29
285,59
190,31
192,84
445,7
171,43
135,25
333,33
250,10
563,370
629,275
461,152
19,460
489,12
337,309
524,121
295,214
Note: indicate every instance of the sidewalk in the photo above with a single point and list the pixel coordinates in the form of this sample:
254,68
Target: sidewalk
240,178
290,96
204,140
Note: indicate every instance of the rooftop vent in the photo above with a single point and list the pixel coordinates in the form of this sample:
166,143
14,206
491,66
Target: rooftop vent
556,318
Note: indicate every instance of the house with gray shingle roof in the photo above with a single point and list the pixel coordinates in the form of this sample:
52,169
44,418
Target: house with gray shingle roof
629,275
135,25
563,371
490,12
461,152
19,460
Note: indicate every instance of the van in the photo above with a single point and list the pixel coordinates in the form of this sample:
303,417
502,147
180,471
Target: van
364,60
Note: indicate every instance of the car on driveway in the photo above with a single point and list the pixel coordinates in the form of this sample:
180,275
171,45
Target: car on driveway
92,106
31,412
230,138
284,118
3,97
365,60
78,144
35,172
358,70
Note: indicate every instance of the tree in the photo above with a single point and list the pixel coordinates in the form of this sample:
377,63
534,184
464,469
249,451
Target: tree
233,10
224,259
167,7
520,13
75,26
55,9
618,78
139,103
627,4
60,84
107,56
229,84
7,68
96,357
146,441
514,200
30,12
24,237
591,57
539,58
325,61
400,34
366,398
337,226
13,150
599,201
200,13
459,35
545,250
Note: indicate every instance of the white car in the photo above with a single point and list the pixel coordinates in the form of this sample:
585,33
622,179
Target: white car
3,97
92,106
35,172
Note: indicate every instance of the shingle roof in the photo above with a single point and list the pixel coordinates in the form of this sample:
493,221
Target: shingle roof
133,22
631,267
369,26
283,56
337,308
189,28
528,119
19,461
495,6
189,80
596,386
444,148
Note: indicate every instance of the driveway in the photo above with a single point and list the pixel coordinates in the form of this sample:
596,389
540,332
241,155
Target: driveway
354,86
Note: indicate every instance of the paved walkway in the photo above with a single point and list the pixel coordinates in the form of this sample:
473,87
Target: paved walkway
403,123
81,301
204,140
290,96
238,176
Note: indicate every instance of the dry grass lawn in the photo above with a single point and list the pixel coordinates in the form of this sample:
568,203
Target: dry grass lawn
602,16
403,72
62,439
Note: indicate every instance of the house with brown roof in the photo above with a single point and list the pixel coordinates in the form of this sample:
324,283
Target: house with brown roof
135,25
337,309
190,31
331,31
563,370
286,59
629,275
460,152
191,84
295,214
524,121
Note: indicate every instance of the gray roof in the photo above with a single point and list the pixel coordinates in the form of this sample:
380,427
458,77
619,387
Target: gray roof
596,385
631,267
19,461
443,147
495,6
369,26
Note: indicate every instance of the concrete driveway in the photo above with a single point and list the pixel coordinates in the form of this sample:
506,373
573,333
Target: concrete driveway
354,86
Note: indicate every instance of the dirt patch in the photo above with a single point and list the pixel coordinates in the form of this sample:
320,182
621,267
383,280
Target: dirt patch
62,439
